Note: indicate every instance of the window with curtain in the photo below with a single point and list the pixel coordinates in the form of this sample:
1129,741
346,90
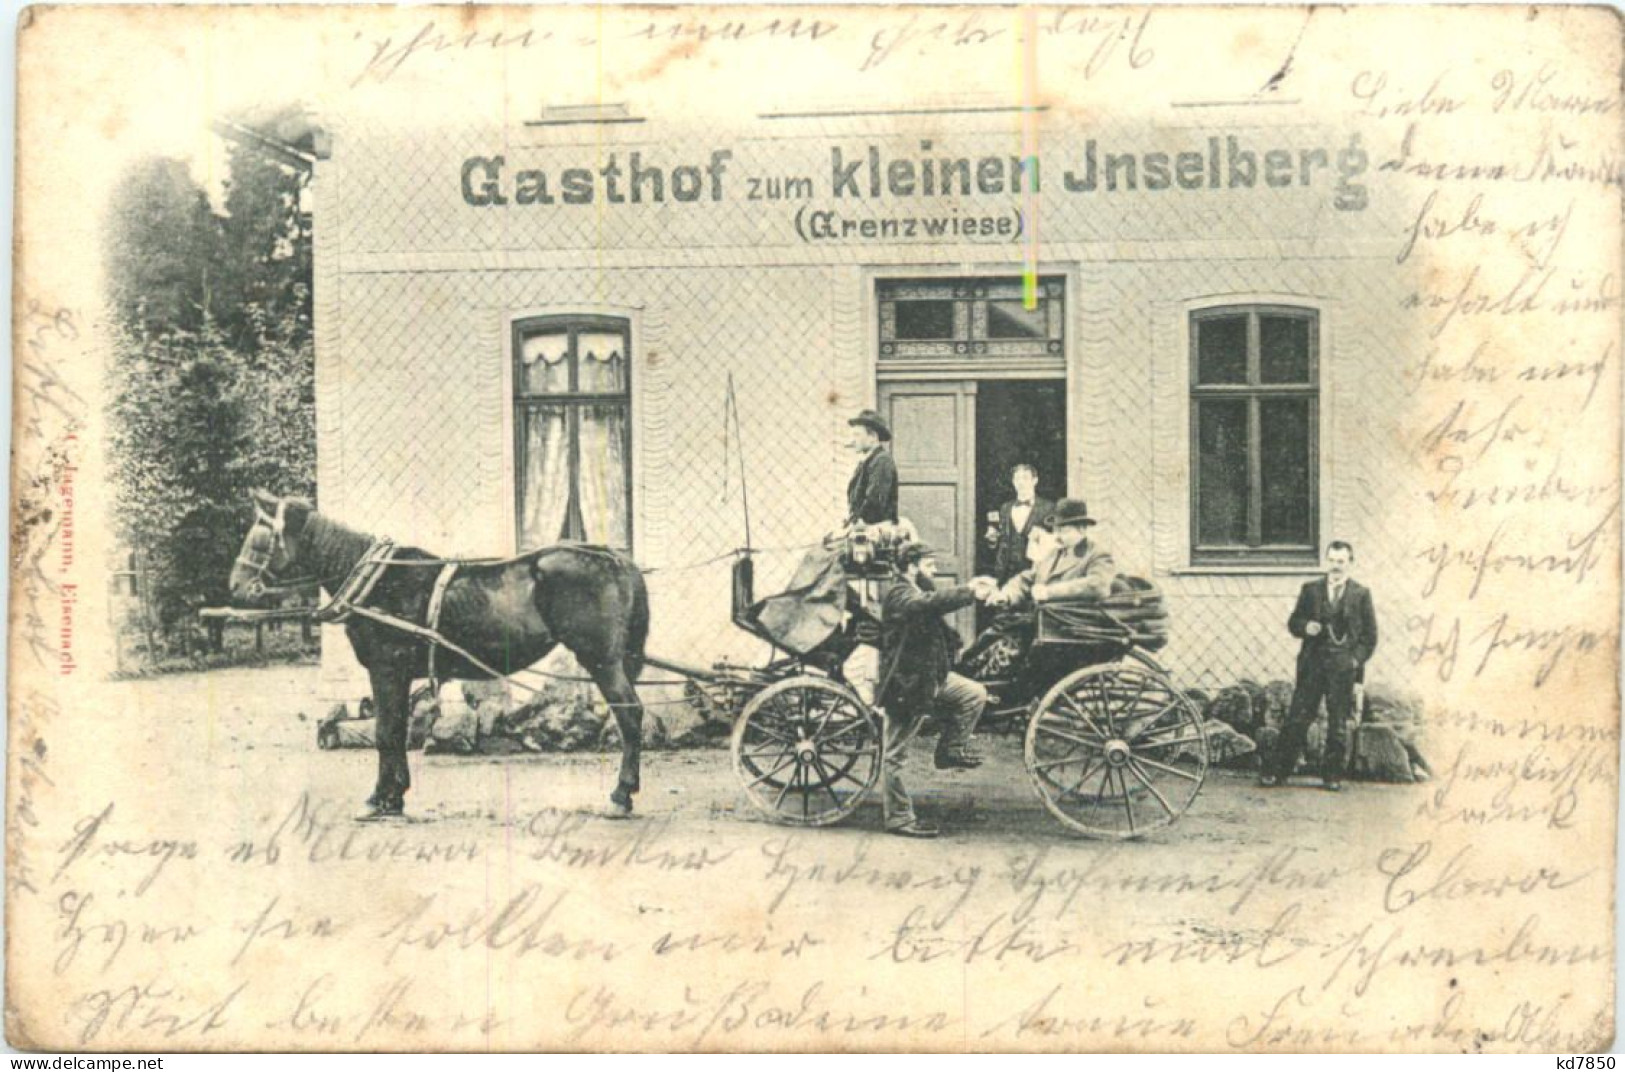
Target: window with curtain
573,430
1255,397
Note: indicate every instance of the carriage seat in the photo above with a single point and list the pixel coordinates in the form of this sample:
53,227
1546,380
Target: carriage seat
745,608
1133,615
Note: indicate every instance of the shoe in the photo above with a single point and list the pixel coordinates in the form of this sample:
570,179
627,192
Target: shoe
957,759
1268,781
914,829
1332,785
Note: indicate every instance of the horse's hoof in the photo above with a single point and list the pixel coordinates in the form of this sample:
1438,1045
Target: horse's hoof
620,805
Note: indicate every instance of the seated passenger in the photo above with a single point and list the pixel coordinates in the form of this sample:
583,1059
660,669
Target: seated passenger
1074,570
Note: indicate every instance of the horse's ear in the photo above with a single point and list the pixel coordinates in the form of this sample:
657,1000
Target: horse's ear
295,513
264,500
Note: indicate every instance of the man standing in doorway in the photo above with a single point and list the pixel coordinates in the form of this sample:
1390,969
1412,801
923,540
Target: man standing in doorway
1017,520
1337,623
917,680
871,495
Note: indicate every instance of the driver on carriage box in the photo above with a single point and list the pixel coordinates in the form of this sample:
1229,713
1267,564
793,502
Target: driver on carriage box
1076,569
917,656
871,494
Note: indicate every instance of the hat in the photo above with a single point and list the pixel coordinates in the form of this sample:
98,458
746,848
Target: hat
1069,512
912,552
875,423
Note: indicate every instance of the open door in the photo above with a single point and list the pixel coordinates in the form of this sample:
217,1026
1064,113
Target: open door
933,427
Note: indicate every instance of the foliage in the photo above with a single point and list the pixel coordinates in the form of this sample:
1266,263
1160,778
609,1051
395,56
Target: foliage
211,390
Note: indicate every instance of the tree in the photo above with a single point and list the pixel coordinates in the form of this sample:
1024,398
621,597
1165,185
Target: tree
212,380
267,242
163,246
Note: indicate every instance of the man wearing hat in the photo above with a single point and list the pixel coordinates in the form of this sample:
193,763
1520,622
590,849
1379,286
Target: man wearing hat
871,495
916,677
1076,569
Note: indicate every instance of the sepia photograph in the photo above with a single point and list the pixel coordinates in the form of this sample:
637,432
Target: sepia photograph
831,529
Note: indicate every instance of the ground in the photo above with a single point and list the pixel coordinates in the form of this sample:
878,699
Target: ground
268,721
512,912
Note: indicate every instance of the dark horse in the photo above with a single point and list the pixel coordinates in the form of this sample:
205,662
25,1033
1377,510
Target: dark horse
507,614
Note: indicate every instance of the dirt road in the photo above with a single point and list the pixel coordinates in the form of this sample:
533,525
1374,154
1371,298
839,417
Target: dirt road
514,913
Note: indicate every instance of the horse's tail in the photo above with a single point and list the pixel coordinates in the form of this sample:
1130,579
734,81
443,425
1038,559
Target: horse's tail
637,631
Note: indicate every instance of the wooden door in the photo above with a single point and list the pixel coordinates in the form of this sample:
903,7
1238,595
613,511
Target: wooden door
933,427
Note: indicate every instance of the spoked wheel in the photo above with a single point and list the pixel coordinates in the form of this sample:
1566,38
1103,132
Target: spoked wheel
806,750
1116,751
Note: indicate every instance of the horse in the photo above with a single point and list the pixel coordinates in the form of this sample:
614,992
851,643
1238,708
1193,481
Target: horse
507,614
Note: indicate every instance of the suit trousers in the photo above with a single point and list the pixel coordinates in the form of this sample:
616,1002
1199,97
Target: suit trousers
1321,679
958,704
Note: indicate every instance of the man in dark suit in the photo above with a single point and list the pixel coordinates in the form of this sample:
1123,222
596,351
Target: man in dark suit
1337,623
871,495
916,677
1017,519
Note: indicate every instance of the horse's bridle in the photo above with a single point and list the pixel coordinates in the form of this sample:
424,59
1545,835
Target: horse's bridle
258,562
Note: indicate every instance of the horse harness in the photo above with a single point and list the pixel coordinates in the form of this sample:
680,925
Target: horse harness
351,599
358,586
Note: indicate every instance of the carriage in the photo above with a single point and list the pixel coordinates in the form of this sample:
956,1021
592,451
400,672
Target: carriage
1112,747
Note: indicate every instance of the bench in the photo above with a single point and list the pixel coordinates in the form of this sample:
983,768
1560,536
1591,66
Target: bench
217,618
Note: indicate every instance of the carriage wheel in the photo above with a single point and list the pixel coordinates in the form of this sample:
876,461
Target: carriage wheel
1116,751
806,751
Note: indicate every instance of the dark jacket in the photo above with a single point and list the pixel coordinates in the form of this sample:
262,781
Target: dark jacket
917,648
871,496
1011,556
1348,632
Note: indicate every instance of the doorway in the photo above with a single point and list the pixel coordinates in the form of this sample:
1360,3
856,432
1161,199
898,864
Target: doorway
1016,421
955,443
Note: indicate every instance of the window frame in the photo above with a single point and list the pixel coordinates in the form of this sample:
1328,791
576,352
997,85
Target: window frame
523,402
1254,392
970,351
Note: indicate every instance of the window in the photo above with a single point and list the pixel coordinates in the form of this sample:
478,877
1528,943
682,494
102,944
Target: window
1254,452
573,430
971,325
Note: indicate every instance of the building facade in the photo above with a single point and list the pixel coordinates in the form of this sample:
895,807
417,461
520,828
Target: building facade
616,330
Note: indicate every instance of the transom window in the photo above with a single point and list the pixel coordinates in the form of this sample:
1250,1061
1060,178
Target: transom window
1255,394
573,430
983,319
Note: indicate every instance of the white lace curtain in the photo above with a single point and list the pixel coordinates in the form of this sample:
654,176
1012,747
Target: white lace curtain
596,508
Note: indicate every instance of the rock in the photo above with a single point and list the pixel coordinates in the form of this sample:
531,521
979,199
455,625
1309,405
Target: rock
1277,702
1234,707
1266,738
1387,706
1255,693
1315,744
704,735
1381,756
1226,747
425,710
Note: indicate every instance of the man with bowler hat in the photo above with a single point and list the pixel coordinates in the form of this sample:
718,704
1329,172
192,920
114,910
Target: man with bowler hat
871,495
1077,568
916,676
1337,623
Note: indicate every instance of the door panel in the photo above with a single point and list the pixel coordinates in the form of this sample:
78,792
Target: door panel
934,428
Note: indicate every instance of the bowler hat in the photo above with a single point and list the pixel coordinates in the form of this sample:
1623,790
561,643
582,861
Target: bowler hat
913,551
1069,512
875,423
